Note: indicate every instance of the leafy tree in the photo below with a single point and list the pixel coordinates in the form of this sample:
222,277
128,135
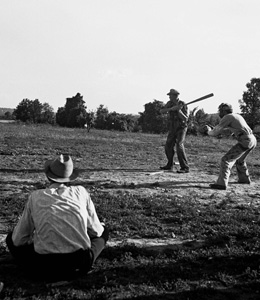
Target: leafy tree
201,117
192,124
61,116
101,117
117,121
22,111
152,120
121,122
73,114
132,122
113,121
76,118
198,119
47,114
250,103
34,111
8,115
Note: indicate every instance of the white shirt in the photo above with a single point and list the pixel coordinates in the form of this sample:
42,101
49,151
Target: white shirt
234,122
58,219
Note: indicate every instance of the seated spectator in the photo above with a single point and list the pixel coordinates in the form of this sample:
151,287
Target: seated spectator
59,232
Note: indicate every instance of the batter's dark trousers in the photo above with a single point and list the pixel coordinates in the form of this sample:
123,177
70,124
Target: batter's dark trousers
176,139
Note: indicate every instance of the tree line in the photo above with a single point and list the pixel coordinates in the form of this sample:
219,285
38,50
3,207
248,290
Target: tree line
74,114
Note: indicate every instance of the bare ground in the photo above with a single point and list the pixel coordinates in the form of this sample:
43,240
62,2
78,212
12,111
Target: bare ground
147,182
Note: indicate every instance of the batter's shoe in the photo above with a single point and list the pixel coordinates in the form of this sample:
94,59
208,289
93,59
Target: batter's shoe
183,171
217,186
244,182
166,167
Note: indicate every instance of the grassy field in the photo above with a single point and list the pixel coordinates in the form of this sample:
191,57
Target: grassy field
218,251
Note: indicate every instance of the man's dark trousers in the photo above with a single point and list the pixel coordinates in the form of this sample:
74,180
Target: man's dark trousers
176,138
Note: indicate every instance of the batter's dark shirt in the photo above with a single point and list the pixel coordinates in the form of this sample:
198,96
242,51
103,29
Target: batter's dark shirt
175,122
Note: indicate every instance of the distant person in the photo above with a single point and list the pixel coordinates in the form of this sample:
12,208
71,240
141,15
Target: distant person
89,121
59,231
178,114
88,126
246,142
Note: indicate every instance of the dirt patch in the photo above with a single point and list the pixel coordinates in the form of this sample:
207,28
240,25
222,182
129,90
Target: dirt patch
142,182
195,184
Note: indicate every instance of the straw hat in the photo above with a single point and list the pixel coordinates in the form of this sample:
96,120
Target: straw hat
60,169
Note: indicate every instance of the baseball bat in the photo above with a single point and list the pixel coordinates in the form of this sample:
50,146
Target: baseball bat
201,98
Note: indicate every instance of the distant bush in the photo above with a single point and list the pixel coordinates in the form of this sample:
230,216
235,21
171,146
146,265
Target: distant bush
33,111
115,121
198,119
6,113
73,114
152,120
250,103
8,116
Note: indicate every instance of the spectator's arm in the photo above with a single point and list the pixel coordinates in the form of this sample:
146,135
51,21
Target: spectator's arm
23,231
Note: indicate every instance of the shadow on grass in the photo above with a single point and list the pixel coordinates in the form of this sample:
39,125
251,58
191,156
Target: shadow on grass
88,170
163,184
114,185
170,278
242,292
170,184
127,170
23,183
5,170
21,170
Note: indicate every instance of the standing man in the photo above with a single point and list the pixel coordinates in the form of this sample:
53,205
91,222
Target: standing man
178,113
59,231
237,125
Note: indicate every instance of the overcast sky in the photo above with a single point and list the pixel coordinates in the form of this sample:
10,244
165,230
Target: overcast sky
126,53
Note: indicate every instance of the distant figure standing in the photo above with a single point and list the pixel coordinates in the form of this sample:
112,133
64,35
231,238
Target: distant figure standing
89,120
59,231
178,113
237,125
88,126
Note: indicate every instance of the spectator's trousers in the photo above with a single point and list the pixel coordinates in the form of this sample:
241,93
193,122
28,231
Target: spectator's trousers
58,264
